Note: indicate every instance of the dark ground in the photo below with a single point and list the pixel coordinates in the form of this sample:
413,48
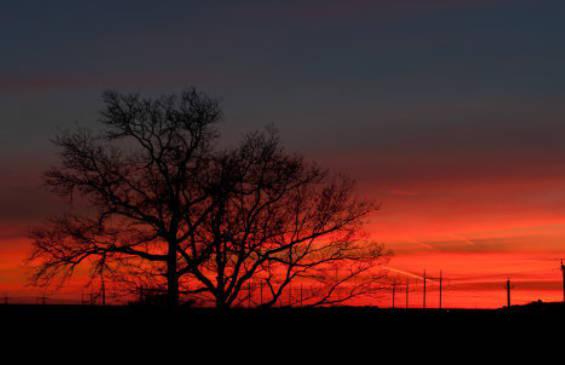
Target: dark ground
325,330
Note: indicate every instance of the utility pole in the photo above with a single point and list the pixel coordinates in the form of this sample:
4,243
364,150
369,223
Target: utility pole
394,294
407,292
249,295
508,287
261,292
103,289
563,272
424,301
289,295
440,289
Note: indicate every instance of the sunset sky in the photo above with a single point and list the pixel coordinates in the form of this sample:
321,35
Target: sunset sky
451,113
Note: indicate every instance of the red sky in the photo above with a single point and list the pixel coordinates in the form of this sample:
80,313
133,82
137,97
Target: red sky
478,233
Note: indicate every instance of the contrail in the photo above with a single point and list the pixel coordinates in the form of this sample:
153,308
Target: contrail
464,240
421,243
402,272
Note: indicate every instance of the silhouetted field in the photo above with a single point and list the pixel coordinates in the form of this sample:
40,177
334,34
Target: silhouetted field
340,324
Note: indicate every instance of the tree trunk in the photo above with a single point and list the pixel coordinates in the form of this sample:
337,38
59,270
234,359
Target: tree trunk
221,302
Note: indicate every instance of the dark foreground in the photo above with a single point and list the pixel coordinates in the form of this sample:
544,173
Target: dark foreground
336,328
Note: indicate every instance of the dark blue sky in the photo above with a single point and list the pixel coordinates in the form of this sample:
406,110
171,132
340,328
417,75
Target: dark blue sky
354,72
389,91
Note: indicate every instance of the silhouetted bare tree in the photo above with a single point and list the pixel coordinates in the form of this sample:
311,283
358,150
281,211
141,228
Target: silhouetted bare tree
142,174
168,205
